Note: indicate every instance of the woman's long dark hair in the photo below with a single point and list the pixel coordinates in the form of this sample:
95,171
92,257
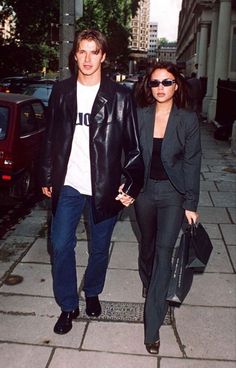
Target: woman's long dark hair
143,93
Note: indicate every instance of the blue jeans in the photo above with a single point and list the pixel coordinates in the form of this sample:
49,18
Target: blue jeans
63,235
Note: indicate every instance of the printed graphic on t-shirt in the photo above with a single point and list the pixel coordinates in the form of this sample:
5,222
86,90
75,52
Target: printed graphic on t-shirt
78,173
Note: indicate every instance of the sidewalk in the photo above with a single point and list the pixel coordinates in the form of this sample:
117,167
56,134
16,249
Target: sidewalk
199,334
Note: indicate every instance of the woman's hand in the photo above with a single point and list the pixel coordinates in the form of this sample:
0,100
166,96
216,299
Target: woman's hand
191,216
125,199
47,191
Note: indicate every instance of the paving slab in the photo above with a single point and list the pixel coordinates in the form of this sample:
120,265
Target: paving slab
37,279
232,253
219,259
205,199
208,186
124,231
38,253
232,213
219,176
213,230
213,215
226,186
36,330
212,289
197,363
22,356
65,358
229,233
124,256
122,285
224,199
206,332
127,338
28,304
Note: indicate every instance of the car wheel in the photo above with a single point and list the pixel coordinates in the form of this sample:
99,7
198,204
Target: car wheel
22,186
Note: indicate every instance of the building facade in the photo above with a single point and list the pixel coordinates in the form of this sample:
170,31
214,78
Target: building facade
207,44
153,40
167,52
140,27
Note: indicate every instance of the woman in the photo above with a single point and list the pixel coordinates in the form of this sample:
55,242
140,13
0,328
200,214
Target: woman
170,143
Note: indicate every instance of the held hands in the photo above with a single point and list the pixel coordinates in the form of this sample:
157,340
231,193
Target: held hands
125,199
191,216
47,191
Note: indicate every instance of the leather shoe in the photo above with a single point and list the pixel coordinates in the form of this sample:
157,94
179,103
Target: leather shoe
93,306
64,322
154,347
144,292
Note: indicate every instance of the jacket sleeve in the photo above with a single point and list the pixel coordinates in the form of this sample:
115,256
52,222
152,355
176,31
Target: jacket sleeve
192,163
46,151
133,169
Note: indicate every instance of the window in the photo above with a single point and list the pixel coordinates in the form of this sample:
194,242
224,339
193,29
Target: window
233,52
4,117
28,123
39,114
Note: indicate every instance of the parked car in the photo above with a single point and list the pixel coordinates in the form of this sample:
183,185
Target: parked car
129,82
22,126
42,89
16,84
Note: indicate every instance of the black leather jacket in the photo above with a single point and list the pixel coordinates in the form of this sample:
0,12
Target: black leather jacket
114,145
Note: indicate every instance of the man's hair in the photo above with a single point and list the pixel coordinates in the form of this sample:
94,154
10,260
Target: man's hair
90,35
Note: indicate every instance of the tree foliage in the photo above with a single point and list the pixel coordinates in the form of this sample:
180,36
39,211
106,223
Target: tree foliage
32,21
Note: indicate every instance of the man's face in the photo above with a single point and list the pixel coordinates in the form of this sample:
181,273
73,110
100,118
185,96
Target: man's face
89,58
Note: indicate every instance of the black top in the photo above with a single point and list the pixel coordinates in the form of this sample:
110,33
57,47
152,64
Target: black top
157,171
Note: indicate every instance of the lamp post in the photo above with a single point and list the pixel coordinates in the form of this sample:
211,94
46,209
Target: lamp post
69,11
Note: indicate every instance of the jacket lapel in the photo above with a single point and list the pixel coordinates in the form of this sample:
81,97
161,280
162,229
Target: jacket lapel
71,100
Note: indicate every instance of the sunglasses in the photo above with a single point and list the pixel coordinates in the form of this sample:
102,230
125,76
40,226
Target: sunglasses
164,82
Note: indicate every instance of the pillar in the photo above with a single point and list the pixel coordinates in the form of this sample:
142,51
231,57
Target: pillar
202,59
211,60
222,52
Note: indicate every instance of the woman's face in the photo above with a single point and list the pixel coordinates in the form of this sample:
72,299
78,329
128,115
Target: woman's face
163,93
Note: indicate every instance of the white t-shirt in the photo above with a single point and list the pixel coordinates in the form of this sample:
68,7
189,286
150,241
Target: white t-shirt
78,173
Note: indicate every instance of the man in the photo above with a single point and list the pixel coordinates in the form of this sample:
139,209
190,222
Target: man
91,157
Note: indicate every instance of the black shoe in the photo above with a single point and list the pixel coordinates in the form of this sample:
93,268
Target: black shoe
153,348
93,306
144,292
64,323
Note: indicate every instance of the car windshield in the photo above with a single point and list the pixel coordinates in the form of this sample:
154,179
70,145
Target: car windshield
42,92
4,117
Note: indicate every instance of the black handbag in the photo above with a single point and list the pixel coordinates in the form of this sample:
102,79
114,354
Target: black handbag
200,247
181,277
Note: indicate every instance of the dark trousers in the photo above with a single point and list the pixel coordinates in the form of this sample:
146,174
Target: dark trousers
159,214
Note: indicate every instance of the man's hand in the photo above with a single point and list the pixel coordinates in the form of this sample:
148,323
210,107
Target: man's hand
124,198
47,191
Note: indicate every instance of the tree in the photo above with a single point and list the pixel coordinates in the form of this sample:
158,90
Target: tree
32,29
30,43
